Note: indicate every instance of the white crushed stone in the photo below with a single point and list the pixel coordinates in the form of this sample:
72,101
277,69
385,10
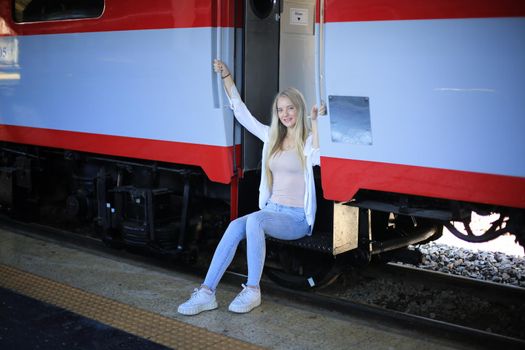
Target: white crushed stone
483,265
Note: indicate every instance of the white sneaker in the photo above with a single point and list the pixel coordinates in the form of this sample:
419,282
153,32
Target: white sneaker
200,300
246,300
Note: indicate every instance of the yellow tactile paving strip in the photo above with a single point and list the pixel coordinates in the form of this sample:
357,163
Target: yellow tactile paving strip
145,324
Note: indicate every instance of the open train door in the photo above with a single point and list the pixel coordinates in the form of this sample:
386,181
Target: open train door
422,100
425,103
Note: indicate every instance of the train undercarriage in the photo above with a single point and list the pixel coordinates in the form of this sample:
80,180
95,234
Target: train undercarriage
177,212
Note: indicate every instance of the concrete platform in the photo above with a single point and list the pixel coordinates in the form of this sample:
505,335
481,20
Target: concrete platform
276,324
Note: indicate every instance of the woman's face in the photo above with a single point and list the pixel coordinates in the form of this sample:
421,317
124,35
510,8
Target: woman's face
286,112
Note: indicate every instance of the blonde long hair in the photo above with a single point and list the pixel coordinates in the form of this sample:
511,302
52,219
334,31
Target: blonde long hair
278,131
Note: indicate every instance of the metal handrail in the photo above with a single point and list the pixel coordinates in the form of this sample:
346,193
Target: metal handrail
318,51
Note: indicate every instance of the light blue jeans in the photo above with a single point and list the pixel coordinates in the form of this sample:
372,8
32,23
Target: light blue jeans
274,220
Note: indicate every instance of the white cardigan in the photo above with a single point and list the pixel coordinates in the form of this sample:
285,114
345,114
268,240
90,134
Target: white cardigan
243,115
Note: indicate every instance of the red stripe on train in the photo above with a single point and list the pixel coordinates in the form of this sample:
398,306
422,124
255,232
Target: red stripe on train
385,10
216,161
131,15
342,178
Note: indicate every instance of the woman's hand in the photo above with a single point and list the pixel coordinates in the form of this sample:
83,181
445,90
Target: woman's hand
318,111
313,115
220,67
227,79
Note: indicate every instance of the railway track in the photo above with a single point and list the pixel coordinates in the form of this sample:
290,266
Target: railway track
337,298
487,306
471,337
470,309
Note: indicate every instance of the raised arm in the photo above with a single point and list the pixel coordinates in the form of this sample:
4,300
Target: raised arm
315,155
313,115
315,132
240,110
227,79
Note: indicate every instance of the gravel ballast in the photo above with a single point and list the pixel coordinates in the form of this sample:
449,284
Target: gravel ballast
489,266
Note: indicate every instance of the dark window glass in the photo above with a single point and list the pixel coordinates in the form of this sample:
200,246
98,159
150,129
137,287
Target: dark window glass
262,8
55,10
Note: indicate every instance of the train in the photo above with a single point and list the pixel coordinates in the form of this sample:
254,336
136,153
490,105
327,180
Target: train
112,119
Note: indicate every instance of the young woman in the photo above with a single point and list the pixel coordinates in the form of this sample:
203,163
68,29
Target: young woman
286,194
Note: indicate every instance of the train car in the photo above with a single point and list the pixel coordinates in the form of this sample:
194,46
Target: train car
111,117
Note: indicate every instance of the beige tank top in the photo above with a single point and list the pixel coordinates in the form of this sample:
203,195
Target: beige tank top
288,179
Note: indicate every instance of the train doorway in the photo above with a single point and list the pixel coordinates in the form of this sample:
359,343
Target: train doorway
278,53
261,64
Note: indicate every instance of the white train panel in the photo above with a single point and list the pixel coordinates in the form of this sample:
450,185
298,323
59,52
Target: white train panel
444,93
152,84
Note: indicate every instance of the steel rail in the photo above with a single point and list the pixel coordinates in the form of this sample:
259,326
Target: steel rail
499,290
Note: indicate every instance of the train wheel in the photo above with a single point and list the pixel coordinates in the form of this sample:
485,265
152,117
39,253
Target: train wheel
302,269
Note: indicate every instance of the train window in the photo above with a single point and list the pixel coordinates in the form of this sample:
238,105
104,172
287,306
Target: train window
262,8
350,119
55,10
